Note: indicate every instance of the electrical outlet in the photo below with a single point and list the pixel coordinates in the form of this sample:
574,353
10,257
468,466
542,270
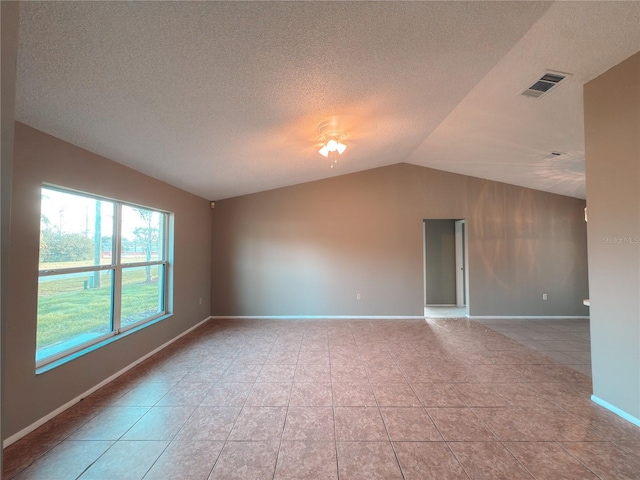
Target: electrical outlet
544,296
200,301
358,296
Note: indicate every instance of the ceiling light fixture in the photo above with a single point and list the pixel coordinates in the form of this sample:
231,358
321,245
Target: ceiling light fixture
332,146
331,141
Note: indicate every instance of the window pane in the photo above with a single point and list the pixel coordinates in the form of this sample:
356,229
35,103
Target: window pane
142,293
142,232
75,231
73,309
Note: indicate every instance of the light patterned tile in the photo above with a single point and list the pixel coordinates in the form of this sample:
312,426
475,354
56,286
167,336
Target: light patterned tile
307,461
359,424
549,460
353,394
259,423
246,460
66,460
186,460
110,424
185,394
269,395
159,423
209,423
459,425
367,461
311,395
125,460
409,425
395,395
145,394
227,394
479,394
605,459
309,424
488,461
427,460
437,395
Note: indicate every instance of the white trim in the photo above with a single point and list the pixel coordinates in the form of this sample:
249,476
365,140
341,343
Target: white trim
69,271
317,317
616,410
527,317
424,261
25,431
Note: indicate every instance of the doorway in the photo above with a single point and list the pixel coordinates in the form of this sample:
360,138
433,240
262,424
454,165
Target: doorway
445,267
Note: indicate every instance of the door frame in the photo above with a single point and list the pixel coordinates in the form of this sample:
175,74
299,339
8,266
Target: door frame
461,268
462,250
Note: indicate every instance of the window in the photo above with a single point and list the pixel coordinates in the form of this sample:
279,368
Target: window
103,270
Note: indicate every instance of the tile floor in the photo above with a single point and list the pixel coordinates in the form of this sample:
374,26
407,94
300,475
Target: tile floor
329,399
567,341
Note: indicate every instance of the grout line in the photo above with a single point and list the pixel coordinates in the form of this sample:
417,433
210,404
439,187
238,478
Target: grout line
457,459
286,415
579,460
239,413
333,407
96,461
517,459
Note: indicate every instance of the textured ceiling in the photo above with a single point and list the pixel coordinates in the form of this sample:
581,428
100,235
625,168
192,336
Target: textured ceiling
509,137
225,98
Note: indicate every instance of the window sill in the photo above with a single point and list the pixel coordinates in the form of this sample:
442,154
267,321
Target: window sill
102,343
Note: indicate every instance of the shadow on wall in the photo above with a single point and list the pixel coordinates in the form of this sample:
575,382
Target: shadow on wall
520,238
512,237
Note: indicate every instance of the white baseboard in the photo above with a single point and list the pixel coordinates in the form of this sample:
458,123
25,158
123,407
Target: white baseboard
616,410
527,317
27,430
385,317
317,317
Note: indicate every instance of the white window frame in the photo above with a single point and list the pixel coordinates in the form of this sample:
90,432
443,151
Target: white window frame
116,266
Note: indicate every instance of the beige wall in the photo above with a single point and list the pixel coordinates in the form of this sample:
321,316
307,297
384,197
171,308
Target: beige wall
612,132
42,158
310,248
9,20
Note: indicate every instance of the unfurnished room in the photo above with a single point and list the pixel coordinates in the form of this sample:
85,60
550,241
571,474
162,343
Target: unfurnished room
320,240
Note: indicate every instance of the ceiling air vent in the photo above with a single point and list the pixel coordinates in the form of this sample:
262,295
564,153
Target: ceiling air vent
544,84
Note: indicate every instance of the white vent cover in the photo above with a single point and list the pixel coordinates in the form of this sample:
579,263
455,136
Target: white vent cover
544,84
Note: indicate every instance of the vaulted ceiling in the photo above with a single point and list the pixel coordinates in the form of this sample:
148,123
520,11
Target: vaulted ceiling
225,98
